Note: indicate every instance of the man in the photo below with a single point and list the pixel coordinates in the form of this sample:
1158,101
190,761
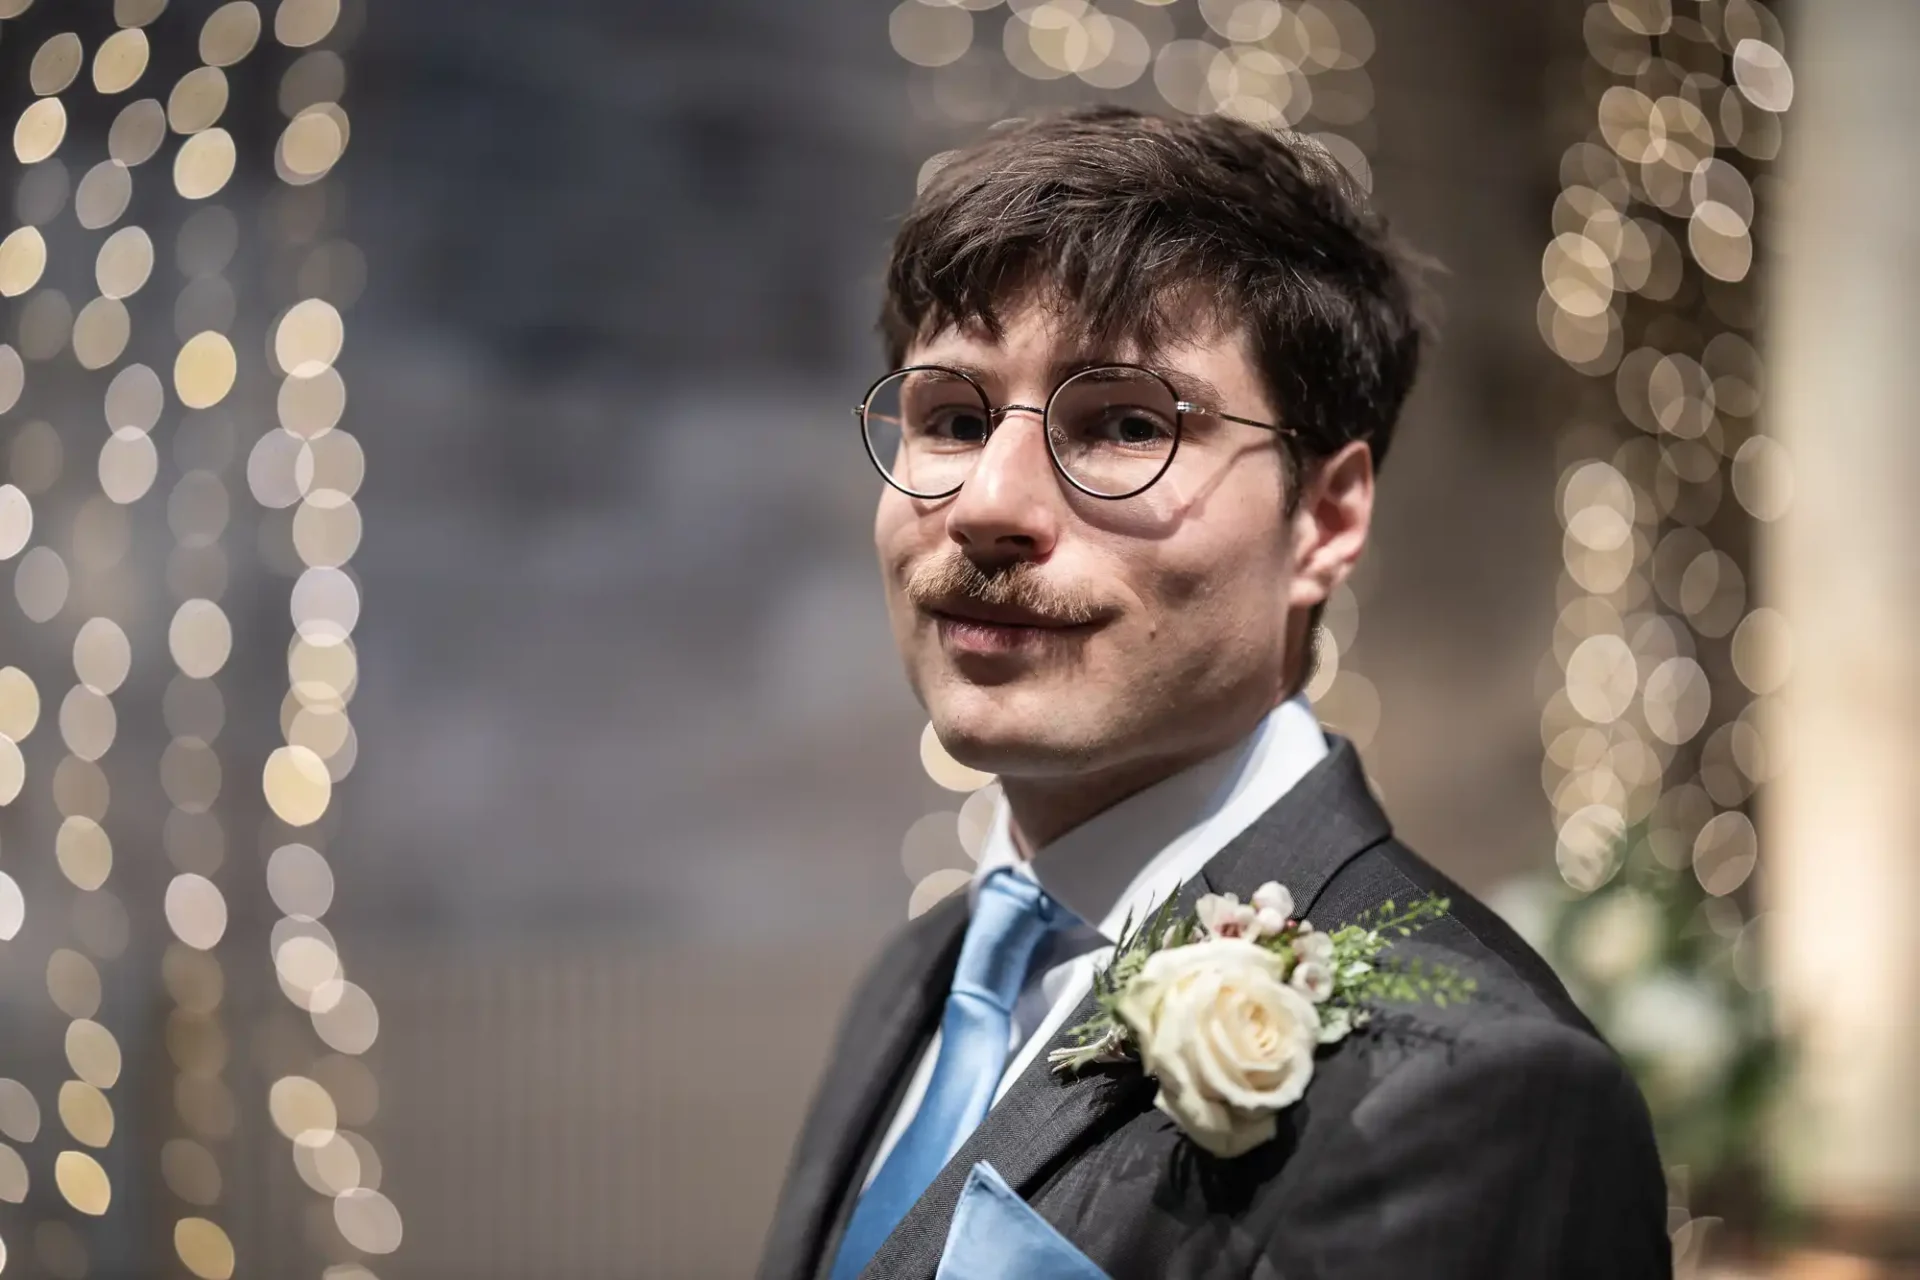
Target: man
1149,369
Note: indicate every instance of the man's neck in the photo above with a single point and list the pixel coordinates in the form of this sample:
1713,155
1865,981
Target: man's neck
1041,810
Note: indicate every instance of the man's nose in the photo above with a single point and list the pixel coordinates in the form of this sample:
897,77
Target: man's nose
1010,503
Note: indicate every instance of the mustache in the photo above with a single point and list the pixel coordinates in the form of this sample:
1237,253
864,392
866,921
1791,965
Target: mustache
1019,585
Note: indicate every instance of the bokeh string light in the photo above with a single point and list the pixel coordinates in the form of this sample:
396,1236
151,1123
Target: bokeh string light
305,471
1298,66
1657,688
1661,663
90,584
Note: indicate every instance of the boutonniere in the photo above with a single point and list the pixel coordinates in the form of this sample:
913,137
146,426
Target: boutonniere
1225,1007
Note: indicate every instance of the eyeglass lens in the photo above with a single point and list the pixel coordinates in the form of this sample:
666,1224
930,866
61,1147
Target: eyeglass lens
1112,431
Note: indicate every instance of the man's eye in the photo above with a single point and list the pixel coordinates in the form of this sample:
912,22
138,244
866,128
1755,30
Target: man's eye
967,426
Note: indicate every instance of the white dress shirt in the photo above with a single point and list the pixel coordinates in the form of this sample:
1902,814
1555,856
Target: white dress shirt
1125,860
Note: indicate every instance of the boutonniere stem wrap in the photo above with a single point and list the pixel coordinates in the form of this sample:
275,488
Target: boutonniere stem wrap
1226,1007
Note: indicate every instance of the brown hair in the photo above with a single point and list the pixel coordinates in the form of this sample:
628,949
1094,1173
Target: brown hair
1131,221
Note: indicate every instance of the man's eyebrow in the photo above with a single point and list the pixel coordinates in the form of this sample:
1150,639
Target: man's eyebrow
1188,386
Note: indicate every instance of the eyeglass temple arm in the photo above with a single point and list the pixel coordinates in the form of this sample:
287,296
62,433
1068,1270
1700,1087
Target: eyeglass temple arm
1188,407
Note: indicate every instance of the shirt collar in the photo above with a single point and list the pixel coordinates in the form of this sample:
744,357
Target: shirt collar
1157,838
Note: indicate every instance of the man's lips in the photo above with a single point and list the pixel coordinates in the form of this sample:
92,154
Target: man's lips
988,615
988,631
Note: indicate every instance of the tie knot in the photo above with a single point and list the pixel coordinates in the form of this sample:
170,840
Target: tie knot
1010,915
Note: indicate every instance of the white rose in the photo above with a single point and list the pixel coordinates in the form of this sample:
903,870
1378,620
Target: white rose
1228,1040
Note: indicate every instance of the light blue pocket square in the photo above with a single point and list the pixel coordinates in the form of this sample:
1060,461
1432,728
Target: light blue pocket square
996,1234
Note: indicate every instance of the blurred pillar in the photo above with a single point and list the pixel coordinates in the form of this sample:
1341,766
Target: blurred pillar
1843,822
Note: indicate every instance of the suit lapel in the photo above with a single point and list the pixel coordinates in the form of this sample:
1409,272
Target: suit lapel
1329,818
890,1020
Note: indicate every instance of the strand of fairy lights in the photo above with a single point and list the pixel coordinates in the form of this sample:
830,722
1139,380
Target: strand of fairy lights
1661,666
310,464
1286,65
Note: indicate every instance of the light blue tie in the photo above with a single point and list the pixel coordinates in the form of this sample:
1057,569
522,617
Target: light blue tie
1010,916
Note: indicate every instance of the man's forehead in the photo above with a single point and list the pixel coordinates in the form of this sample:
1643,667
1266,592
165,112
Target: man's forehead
1051,348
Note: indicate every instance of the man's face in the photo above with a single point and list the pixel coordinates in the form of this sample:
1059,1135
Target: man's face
1188,584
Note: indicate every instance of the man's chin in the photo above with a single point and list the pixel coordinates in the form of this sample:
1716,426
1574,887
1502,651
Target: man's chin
1011,741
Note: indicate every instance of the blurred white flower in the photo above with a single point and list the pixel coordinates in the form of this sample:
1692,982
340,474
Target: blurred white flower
1678,1024
1619,936
1273,896
1312,979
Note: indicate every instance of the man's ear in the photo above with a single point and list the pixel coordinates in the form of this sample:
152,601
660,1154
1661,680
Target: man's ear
1331,523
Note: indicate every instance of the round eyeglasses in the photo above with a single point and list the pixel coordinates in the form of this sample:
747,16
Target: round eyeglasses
1112,430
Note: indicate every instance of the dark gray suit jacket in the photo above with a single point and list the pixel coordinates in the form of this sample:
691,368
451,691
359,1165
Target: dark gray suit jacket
1499,1140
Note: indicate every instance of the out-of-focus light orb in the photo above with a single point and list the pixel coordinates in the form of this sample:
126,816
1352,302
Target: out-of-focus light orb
345,1017
86,1113
39,131
326,528
1762,74
204,163
300,881
13,380
299,23
326,674
128,465
204,1248
1181,74
1763,651
100,924
229,33
80,788
1720,242
301,1109
935,886
82,1182
1602,677
198,100
325,605
311,406
207,241
1763,478
16,521
190,774
134,398
196,911
40,584
87,722
308,338
23,259
46,322
197,510
103,195
13,905
190,1171
335,463
56,63
102,655
120,61
1678,698
944,769
313,141
19,704
73,984
204,370
19,1113
83,852
1725,853
193,978
929,33
200,638
13,776
368,1220
14,1182
35,456
137,13
93,1053
1351,705
137,132
273,469
1588,849
331,1167
297,785
100,332
314,78
1578,275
